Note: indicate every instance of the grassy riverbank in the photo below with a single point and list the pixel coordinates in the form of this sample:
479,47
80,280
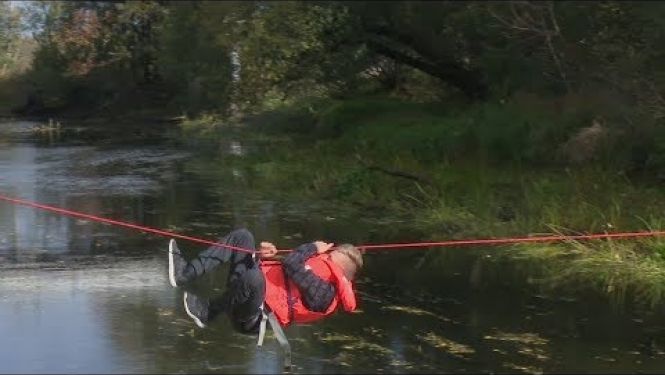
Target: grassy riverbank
489,171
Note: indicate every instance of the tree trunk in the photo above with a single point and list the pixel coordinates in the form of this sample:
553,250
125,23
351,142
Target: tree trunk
467,81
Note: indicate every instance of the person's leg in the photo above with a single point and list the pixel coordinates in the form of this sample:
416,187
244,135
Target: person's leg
241,301
215,255
244,306
181,271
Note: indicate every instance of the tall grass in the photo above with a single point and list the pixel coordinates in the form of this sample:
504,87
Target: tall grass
621,270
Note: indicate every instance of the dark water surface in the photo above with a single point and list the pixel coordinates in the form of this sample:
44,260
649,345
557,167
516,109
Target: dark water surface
80,296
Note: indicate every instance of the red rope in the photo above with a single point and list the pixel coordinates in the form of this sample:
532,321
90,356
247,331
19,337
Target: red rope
516,240
486,241
121,223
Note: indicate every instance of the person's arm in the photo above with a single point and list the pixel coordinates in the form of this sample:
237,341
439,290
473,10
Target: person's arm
316,293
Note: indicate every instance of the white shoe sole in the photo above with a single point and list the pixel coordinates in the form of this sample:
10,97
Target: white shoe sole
172,245
196,320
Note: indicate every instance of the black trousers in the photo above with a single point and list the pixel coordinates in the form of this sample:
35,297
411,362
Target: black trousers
245,286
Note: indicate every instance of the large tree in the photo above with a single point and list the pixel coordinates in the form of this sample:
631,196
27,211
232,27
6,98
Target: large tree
10,36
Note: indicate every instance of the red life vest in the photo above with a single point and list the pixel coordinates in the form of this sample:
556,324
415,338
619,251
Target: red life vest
277,293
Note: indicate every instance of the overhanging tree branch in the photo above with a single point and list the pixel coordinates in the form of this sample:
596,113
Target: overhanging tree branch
465,80
428,61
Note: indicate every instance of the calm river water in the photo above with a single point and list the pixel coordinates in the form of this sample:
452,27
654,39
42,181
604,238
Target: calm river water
80,296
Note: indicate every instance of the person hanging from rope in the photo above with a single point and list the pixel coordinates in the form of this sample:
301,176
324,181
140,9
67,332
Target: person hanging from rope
307,285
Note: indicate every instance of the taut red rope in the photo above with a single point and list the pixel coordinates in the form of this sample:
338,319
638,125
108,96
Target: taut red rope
486,241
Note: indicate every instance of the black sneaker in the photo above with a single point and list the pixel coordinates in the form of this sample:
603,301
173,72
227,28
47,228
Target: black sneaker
196,308
177,265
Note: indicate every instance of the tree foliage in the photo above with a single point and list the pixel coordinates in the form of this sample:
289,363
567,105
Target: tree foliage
10,36
207,55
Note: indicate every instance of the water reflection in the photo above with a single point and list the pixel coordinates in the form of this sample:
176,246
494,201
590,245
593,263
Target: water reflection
50,322
113,183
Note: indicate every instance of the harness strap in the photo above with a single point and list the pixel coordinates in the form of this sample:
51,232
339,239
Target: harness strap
262,326
281,338
269,317
289,298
